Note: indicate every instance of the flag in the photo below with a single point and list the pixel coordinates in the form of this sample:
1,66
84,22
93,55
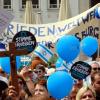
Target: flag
43,52
64,66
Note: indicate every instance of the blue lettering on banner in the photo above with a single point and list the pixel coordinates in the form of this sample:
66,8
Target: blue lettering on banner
51,30
9,30
40,31
62,29
49,44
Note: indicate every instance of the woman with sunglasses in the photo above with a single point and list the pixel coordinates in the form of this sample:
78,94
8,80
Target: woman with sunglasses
40,71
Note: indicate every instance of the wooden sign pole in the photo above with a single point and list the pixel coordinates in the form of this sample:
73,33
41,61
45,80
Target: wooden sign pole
12,53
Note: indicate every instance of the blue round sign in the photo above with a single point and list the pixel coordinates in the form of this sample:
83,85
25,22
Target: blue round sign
25,40
80,70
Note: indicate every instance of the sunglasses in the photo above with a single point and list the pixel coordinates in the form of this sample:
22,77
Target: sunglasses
38,71
96,69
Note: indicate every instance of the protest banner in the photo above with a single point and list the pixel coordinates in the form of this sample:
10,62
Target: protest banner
81,25
5,19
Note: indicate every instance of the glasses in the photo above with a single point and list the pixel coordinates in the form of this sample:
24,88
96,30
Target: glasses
38,71
95,69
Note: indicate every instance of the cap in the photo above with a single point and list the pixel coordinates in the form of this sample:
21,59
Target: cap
3,83
4,79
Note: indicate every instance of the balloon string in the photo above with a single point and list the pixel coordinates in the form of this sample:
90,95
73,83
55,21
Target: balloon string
98,44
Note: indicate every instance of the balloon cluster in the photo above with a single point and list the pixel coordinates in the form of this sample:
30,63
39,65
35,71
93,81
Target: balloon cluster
68,47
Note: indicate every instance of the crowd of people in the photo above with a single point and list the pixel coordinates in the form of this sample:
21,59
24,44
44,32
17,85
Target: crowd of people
32,83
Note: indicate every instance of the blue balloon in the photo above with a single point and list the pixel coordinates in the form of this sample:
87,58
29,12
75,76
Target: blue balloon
61,65
5,64
18,62
89,45
59,84
59,62
68,47
97,12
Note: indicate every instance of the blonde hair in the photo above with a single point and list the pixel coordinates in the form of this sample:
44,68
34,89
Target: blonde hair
83,90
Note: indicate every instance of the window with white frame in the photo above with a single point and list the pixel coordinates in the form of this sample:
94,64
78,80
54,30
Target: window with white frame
7,4
54,3
35,3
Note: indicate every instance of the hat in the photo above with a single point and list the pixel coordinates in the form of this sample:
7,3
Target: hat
3,83
4,79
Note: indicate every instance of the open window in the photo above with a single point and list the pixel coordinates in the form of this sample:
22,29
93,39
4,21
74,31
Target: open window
53,4
35,3
7,4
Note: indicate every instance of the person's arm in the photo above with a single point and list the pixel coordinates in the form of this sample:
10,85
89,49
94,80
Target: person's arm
30,85
25,74
12,94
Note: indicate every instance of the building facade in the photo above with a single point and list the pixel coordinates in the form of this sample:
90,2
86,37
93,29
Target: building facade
49,9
